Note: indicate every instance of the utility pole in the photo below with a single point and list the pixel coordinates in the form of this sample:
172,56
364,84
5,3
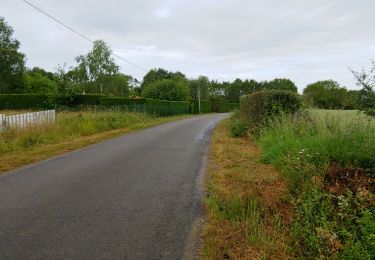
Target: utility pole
199,98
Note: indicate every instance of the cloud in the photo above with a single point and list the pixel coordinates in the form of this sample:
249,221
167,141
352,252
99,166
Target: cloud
224,39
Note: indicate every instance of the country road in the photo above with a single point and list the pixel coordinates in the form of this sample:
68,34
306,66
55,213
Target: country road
133,197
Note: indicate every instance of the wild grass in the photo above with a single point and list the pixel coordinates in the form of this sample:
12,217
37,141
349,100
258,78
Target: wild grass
72,130
328,159
247,215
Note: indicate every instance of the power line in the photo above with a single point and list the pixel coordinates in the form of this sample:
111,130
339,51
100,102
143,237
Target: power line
80,34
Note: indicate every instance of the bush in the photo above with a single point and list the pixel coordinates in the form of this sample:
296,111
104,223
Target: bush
258,107
238,126
23,101
206,107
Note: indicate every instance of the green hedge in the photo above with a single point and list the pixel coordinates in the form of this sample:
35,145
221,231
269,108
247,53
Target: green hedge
259,106
23,101
206,107
87,100
167,108
225,107
129,104
151,106
119,101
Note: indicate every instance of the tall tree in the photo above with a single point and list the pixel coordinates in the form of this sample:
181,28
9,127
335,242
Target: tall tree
96,67
12,64
202,83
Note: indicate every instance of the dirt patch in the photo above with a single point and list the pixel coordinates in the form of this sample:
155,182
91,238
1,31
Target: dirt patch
340,179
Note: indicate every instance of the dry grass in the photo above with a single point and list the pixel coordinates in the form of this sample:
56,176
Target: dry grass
247,213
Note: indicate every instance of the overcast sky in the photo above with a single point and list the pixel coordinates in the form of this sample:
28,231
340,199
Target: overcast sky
304,40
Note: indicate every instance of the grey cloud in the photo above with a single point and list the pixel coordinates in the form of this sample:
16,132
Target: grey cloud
305,40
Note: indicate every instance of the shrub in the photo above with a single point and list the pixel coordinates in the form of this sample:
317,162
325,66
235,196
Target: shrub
206,106
238,126
23,101
258,107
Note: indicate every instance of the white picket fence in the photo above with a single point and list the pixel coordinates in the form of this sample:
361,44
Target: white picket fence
27,119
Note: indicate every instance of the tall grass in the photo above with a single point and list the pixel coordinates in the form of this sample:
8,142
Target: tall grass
69,126
333,219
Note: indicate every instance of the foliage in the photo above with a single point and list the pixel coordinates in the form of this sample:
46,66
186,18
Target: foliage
23,101
167,89
279,84
118,101
159,74
39,81
327,158
202,83
257,108
238,126
167,108
95,68
205,106
366,80
327,94
12,63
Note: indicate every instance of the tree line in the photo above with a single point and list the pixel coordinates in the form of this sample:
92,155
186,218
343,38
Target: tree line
97,73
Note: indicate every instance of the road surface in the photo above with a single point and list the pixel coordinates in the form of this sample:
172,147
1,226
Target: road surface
133,197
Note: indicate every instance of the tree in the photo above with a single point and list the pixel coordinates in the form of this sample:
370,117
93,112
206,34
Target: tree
96,68
281,84
118,85
366,80
176,89
327,94
216,92
39,81
155,75
12,63
203,83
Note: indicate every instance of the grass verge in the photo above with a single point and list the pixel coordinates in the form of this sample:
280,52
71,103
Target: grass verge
71,131
328,160
248,215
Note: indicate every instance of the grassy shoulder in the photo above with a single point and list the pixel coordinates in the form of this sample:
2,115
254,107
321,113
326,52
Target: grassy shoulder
248,214
72,130
328,160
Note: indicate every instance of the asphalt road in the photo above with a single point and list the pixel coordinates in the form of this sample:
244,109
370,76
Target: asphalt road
133,197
